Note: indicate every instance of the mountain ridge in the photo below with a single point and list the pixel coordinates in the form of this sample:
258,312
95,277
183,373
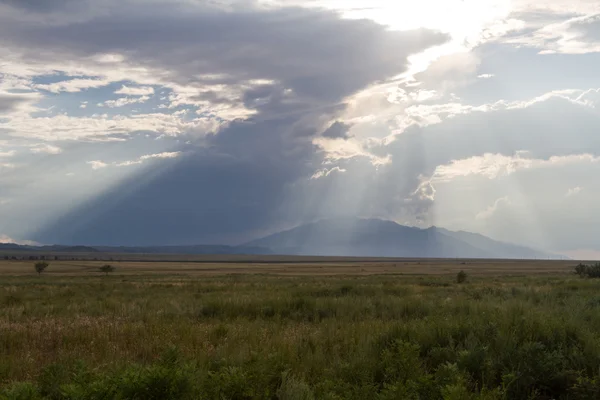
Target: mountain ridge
345,237
384,238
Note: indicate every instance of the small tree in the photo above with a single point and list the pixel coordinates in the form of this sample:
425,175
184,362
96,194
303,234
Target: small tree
107,269
461,277
40,266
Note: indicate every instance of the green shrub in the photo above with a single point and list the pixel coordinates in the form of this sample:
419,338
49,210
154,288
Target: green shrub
21,391
40,266
107,269
155,382
294,389
588,271
461,277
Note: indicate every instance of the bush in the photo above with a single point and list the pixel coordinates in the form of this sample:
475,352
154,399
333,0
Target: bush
107,269
588,271
21,391
294,389
40,266
461,277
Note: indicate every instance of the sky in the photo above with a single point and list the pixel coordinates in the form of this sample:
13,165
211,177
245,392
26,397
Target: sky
130,122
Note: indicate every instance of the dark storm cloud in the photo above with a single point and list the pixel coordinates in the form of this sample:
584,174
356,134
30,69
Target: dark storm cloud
222,192
252,177
315,53
240,180
40,5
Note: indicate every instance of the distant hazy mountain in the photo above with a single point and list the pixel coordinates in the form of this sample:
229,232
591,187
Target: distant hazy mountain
496,248
50,249
335,237
379,238
194,249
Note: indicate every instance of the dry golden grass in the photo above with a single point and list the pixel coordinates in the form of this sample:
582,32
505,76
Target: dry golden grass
297,267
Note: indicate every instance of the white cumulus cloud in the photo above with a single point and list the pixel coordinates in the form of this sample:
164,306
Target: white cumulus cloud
73,85
46,148
495,165
326,172
140,160
123,101
491,210
9,153
173,154
136,91
96,164
573,191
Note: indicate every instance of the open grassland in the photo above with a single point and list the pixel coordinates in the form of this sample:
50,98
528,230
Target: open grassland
287,265
321,330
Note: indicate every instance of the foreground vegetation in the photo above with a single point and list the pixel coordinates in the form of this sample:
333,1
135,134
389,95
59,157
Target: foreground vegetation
261,337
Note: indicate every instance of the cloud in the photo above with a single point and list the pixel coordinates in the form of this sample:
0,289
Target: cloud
9,153
303,75
40,5
73,85
326,172
573,191
99,164
337,130
495,165
123,101
491,210
452,144
47,149
11,102
7,239
102,127
262,98
172,154
136,91
187,34
579,34
270,78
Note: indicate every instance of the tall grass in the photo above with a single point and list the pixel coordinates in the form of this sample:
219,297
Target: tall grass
260,337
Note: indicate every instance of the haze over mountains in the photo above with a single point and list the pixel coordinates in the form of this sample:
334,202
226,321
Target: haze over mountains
341,237
380,238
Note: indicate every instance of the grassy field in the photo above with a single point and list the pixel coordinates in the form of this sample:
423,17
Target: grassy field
288,265
299,330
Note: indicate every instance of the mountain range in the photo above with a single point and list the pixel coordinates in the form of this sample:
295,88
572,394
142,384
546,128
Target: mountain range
381,238
350,237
